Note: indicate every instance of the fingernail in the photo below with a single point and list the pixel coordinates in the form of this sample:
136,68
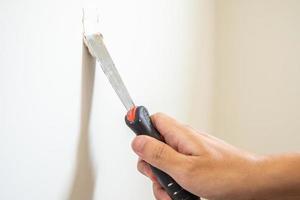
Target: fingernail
153,179
138,145
147,171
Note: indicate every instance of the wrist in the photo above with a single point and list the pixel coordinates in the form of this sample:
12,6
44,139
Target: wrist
277,177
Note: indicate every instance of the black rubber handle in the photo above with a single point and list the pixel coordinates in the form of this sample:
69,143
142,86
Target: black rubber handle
139,121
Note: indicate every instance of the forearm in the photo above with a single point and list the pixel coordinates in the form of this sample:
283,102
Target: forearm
278,177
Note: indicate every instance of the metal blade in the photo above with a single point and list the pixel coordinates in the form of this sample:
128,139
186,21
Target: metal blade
97,48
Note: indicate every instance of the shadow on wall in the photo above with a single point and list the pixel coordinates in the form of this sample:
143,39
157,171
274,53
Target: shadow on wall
84,177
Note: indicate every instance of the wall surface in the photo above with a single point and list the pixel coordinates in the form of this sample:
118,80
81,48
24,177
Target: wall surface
62,131
230,68
257,91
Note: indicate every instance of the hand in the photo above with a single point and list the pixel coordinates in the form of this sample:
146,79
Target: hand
201,164
205,165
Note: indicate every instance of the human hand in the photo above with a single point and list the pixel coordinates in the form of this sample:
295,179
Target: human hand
200,163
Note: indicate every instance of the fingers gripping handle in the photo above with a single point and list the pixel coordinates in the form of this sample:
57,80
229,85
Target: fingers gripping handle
139,121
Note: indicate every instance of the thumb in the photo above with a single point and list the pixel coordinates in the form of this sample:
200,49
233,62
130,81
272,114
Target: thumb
158,154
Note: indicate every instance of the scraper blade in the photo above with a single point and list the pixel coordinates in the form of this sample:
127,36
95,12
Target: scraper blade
97,48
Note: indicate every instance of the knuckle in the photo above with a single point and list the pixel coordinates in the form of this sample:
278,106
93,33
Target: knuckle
188,170
191,166
188,128
159,152
158,116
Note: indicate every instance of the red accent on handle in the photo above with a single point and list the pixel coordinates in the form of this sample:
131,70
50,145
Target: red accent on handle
131,114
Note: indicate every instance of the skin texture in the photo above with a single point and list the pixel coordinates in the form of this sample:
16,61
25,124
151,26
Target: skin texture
213,169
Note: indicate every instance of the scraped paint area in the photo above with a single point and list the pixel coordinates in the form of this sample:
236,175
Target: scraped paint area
90,20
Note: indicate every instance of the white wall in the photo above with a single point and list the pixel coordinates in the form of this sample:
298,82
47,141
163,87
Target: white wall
62,132
258,69
228,67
